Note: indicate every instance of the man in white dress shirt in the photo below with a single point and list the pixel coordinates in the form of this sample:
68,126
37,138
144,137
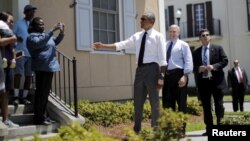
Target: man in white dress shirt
151,62
180,64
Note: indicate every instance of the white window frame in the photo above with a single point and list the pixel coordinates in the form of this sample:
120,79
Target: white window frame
84,10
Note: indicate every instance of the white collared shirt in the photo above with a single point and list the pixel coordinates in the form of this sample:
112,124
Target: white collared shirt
155,50
181,56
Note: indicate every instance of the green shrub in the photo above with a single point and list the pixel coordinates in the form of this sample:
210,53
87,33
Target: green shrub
194,108
237,120
170,128
75,132
110,113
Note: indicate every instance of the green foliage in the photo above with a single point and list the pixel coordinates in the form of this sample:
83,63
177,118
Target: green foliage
194,107
170,125
169,129
75,132
110,113
237,120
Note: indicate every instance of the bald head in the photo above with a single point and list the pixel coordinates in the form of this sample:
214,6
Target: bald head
236,62
174,32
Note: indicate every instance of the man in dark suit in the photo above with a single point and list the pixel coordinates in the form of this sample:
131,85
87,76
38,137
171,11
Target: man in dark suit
238,82
209,61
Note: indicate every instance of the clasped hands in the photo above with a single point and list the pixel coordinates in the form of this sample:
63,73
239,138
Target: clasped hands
207,68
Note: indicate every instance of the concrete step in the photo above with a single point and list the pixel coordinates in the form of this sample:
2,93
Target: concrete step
30,130
22,119
31,138
20,109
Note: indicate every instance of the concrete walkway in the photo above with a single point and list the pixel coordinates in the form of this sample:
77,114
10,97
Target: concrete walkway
196,135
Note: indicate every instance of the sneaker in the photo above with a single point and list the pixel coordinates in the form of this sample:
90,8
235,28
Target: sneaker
10,124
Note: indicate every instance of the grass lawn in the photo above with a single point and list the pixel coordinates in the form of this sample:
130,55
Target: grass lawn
226,97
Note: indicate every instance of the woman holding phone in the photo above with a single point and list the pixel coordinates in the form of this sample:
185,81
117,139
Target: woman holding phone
42,47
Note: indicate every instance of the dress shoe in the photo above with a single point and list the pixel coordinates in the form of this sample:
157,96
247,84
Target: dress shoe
183,135
25,101
16,102
204,134
43,123
50,120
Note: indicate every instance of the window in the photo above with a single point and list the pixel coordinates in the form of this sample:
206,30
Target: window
248,14
107,21
199,16
169,16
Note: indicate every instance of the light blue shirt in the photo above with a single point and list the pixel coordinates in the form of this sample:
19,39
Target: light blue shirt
21,29
42,47
181,56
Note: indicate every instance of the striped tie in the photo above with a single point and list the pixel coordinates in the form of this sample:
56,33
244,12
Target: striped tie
204,61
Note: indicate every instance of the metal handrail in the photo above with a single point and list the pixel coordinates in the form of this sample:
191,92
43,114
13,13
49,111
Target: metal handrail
65,82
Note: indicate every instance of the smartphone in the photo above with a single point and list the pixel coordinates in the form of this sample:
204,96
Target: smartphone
19,54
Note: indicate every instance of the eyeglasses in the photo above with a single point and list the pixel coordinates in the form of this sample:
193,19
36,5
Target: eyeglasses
143,19
203,35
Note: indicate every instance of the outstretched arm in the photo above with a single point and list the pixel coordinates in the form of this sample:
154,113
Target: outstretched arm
99,45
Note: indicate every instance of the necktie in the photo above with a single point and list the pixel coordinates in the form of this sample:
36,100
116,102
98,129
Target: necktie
240,75
169,51
204,61
142,49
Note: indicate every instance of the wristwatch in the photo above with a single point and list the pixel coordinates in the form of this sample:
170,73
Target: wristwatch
161,76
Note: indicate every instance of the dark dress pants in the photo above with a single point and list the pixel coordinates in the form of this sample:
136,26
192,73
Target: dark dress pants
172,93
238,94
208,89
146,79
43,87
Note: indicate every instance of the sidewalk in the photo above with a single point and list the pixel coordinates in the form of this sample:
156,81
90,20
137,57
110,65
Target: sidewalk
196,135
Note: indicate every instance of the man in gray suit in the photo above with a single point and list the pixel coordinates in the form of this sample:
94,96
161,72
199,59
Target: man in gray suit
238,82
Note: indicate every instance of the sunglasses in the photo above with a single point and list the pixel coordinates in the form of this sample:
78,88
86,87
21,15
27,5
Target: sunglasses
143,19
203,35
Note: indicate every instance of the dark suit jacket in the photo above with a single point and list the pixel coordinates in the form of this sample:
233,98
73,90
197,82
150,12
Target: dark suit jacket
218,59
232,78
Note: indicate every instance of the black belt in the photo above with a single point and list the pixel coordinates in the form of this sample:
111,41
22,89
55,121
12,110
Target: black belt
208,78
147,64
168,72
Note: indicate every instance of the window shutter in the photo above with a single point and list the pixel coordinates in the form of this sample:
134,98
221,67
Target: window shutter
129,19
248,14
171,14
209,14
84,25
189,20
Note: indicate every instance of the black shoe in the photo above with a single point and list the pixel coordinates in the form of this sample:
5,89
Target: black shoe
136,130
43,123
16,102
26,101
50,120
46,123
183,135
204,134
